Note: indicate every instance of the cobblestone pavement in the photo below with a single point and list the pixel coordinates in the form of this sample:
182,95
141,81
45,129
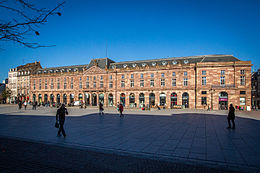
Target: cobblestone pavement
195,138
24,156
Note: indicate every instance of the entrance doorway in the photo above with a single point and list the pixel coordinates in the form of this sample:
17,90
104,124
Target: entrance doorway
223,101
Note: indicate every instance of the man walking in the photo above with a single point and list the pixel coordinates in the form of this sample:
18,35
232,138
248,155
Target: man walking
60,116
231,116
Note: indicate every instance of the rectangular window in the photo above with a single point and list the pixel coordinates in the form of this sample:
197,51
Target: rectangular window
185,82
242,101
110,77
110,84
222,72
152,75
242,80
58,84
141,83
162,75
122,84
65,83
173,74
45,86
203,72
203,100
123,76
222,80
132,83
40,84
142,76
185,73
242,92
203,92
34,84
94,84
152,83
87,84
80,82
51,83
204,81
242,71
162,82
173,82
94,78
87,78
101,77
101,84
132,76
71,83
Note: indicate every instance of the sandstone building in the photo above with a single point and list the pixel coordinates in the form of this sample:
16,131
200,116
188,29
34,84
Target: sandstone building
210,81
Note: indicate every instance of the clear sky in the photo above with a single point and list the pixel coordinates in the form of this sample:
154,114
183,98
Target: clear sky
139,29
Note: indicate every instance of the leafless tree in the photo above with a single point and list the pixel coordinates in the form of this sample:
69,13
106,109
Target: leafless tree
24,19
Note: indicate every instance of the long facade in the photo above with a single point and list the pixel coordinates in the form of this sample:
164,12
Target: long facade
196,82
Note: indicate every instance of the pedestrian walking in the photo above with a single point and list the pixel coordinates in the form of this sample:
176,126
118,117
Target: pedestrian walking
121,109
60,118
20,104
231,117
25,104
101,109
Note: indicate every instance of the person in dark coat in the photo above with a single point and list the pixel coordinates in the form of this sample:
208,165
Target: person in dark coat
60,117
20,104
121,109
101,109
231,117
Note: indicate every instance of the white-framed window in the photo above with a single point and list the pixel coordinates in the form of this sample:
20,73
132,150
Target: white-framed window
152,82
162,82
152,75
173,82
222,72
242,101
110,84
185,73
141,83
142,75
122,84
242,72
222,80
204,80
132,83
173,74
71,83
185,81
51,83
80,82
242,80
45,84
132,76
204,72
163,75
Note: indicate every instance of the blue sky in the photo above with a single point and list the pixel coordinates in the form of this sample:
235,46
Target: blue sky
140,29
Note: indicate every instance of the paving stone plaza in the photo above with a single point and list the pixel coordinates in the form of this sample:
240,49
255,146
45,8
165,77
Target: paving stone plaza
193,137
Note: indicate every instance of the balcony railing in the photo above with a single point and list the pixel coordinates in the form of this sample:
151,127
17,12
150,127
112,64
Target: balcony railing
223,86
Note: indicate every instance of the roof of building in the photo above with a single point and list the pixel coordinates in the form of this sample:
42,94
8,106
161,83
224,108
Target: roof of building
175,60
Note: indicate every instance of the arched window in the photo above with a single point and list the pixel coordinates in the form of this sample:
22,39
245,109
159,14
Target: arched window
45,98
152,99
110,100
64,98
122,99
71,98
132,100
141,100
52,98
185,100
94,99
58,99
80,96
162,99
40,98
173,99
101,98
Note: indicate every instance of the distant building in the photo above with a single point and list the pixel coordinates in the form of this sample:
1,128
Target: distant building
19,80
2,89
256,89
210,81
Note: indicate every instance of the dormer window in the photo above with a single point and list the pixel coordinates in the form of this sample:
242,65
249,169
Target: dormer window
113,66
164,63
56,71
154,64
186,61
174,62
75,69
144,64
134,65
125,65
45,71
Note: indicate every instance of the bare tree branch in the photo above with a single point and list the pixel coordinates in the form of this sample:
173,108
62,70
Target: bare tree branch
28,19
